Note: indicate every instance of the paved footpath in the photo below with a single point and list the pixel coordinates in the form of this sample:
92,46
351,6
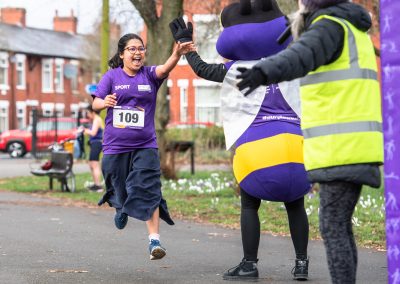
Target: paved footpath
44,240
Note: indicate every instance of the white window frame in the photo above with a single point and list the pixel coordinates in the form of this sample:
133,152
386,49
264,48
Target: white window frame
4,65
4,105
59,108
21,71
74,110
204,83
47,67
75,80
183,99
21,105
48,109
59,75
207,18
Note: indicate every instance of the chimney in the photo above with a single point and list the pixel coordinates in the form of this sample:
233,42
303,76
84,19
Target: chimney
13,16
65,24
115,31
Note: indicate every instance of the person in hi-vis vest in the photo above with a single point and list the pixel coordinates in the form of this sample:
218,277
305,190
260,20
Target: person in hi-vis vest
341,117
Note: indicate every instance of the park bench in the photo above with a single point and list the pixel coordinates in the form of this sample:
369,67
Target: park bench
61,169
181,146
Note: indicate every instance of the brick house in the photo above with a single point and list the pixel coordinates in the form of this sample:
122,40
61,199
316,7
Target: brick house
41,68
193,99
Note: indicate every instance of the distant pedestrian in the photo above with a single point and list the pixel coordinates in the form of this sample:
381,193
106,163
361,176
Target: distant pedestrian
95,133
130,164
341,114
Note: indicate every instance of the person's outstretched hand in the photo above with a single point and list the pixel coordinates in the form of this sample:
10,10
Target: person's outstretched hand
251,78
180,31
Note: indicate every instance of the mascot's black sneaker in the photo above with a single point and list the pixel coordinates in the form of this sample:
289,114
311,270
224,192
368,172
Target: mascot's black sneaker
245,271
300,270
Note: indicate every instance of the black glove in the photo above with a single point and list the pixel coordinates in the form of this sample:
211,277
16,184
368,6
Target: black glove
180,31
251,78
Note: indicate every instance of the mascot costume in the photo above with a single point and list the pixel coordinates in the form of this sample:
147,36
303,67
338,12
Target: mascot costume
265,129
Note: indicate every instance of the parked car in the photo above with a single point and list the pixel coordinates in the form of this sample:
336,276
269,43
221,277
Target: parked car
18,142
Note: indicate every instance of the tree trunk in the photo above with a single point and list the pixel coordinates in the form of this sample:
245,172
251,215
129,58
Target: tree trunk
159,47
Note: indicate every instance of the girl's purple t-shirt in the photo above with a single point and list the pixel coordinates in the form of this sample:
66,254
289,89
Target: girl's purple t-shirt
139,91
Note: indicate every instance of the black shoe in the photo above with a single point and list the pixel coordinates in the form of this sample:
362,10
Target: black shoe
300,270
96,188
245,271
120,220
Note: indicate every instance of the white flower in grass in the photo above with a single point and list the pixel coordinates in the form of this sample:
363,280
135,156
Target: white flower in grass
215,175
182,181
356,222
309,210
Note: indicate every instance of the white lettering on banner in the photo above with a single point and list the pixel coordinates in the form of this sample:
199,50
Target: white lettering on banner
122,87
128,117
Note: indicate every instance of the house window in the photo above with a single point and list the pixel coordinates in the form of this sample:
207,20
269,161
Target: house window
48,109
207,29
21,115
74,110
59,77
208,104
183,87
4,115
20,68
74,68
47,75
59,109
184,104
3,71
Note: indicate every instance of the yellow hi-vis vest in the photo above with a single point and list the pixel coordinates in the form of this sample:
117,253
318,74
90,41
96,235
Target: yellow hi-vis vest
341,106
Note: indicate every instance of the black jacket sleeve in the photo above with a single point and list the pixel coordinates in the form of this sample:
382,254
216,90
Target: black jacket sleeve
211,72
320,44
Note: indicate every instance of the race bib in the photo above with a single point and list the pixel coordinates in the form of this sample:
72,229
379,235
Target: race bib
128,117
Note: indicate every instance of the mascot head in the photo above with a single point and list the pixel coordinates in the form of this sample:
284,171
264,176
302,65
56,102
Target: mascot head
251,29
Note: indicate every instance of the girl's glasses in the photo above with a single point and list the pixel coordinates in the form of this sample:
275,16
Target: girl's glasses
133,49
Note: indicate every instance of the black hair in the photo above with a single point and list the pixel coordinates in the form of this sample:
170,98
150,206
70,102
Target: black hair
89,108
116,61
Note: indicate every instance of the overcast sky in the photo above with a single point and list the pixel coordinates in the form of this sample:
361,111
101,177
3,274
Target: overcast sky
40,13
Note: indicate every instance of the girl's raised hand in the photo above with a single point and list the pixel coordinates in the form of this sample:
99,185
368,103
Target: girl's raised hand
181,48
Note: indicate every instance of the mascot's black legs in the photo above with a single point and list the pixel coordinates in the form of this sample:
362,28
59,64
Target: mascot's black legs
298,225
250,227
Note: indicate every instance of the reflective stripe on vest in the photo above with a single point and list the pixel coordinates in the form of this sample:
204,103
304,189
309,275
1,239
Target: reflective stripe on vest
341,128
354,72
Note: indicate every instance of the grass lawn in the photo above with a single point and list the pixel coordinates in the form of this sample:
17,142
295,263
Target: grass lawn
212,197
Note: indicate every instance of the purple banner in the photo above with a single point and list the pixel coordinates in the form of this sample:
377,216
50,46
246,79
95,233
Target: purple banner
390,59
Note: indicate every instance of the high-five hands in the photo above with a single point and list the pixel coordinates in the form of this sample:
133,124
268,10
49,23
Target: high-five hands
251,79
180,31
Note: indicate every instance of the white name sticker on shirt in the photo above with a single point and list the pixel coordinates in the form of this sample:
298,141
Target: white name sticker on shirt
144,88
128,117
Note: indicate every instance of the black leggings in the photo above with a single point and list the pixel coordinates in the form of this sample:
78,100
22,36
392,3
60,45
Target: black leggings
250,225
337,203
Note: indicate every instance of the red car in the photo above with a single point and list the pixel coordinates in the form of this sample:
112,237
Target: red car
18,142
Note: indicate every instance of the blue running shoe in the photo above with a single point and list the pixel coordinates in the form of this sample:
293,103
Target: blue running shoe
120,220
156,250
